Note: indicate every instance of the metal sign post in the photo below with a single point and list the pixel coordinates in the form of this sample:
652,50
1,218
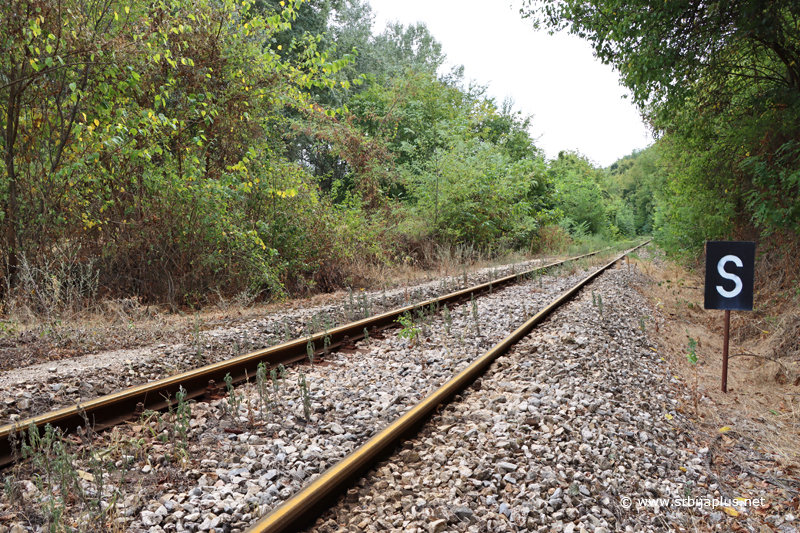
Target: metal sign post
726,331
730,273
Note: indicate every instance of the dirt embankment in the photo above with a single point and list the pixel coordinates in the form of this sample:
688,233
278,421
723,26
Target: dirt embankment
753,430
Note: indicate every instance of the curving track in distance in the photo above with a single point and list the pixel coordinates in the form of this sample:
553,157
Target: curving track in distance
305,506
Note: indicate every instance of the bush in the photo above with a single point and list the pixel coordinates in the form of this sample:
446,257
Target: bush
552,239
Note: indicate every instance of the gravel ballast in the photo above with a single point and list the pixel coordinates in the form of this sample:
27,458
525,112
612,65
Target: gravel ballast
576,430
40,388
243,458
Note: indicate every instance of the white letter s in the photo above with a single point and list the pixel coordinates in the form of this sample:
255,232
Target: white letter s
727,275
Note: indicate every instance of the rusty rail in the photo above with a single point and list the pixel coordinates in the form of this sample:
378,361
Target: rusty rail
106,411
305,506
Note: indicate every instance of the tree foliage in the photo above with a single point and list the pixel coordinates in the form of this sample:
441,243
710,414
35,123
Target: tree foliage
580,195
176,148
720,84
129,134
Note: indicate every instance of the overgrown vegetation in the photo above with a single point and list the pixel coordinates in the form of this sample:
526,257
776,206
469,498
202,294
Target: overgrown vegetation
182,152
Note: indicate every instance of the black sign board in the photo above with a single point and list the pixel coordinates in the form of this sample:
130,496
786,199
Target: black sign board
730,270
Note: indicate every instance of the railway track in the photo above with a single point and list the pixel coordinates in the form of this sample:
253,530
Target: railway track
580,427
574,430
305,506
205,382
242,456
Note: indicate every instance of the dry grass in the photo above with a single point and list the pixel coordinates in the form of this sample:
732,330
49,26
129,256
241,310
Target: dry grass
47,327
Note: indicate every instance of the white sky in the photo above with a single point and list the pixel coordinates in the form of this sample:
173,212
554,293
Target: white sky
576,100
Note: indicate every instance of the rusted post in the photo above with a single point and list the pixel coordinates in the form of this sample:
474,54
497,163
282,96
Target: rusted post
726,334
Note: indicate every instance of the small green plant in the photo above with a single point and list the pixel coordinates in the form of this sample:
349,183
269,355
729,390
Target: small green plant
408,330
305,396
247,344
691,353
475,316
273,374
12,491
597,301
282,373
60,483
181,415
366,305
326,342
154,422
691,356
310,351
448,320
7,329
262,388
234,400
366,336
642,325
287,334
419,314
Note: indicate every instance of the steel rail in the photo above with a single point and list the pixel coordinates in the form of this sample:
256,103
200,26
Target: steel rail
112,409
305,506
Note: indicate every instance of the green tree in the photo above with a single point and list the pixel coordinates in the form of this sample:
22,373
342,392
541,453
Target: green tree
636,180
472,192
55,59
579,195
720,81
130,130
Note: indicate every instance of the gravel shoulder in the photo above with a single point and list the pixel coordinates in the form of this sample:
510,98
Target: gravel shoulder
589,424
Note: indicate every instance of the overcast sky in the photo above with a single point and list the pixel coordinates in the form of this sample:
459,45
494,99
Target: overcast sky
576,100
